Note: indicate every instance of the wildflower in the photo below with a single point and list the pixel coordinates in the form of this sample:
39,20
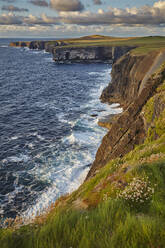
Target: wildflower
138,191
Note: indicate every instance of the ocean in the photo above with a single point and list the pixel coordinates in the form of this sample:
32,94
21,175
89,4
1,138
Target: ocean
48,127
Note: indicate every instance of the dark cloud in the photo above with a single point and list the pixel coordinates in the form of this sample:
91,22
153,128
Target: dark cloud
41,3
97,2
66,5
8,1
13,8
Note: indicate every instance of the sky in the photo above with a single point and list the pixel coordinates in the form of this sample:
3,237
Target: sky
74,18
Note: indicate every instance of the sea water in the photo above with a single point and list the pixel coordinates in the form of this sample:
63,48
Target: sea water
48,127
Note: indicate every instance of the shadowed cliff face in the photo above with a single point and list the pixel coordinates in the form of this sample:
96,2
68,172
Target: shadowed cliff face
89,54
63,54
130,128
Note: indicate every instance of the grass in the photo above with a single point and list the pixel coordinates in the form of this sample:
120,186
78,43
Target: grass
144,44
111,224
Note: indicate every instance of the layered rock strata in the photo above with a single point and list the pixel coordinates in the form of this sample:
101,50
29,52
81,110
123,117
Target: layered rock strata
130,128
127,75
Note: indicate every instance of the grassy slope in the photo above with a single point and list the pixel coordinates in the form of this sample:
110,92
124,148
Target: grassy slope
122,206
114,222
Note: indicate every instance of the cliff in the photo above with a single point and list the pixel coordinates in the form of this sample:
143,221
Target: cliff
127,75
63,52
132,85
48,46
91,54
30,44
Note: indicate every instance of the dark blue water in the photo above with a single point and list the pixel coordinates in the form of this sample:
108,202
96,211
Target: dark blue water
47,134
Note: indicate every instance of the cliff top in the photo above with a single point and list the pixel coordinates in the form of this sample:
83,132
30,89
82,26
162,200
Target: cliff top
143,44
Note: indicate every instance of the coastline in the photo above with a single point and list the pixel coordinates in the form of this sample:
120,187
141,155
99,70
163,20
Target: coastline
118,125
124,189
103,79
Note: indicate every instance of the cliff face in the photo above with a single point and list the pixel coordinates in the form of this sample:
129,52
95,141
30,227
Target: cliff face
127,75
66,54
89,54
130,128
30,44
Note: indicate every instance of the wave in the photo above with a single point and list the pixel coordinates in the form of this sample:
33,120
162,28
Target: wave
50,60
19,158
68,167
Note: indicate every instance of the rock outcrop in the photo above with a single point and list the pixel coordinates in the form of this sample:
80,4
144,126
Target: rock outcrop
30,44
48,46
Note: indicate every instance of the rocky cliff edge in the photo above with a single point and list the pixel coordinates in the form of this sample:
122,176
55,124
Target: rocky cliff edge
134,82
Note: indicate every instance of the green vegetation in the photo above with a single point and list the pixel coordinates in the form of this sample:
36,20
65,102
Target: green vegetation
144,44
123,205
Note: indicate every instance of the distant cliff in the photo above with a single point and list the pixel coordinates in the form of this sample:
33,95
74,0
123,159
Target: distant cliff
62,53
89,54
48,46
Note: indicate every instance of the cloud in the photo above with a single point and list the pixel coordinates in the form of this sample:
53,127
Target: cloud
97,2
43,20
145,15
10,19
13,8
153,16
41,3
66,5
